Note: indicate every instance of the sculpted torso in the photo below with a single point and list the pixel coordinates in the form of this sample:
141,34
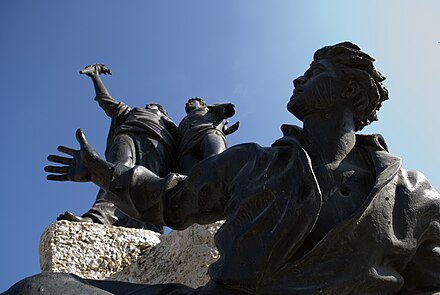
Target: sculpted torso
338,95
344,187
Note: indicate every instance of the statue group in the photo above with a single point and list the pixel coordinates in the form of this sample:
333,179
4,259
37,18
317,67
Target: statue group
148,137
322,210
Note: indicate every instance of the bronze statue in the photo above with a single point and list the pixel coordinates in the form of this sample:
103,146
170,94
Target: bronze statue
202,133
137,136
323,210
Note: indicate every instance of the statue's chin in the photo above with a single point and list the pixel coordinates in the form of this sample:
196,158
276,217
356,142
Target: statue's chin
296,109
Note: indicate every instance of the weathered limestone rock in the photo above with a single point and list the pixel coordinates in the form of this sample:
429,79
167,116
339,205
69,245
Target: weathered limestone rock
98,251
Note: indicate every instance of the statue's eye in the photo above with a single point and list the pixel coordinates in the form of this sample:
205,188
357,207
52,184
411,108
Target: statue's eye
313,72
316,71
308,73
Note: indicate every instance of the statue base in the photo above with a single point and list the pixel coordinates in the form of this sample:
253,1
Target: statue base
96,251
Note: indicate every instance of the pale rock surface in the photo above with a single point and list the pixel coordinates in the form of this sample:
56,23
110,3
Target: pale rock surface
97,251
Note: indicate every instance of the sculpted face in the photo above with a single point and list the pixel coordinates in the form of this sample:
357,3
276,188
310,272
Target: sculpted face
151,107
317,90
192,105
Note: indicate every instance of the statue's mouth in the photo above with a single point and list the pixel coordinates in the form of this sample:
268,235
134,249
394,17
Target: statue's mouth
297,91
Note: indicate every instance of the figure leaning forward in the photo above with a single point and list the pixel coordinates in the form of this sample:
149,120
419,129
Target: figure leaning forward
137,136
323,210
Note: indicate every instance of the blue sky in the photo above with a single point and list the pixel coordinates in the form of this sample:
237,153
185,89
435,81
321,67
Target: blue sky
247,52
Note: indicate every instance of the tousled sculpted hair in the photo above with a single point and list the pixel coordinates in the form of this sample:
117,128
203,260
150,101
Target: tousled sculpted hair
159,107
357,65
200,100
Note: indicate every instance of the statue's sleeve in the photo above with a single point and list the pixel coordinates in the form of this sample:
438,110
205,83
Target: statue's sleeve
111,106
422,273
178,201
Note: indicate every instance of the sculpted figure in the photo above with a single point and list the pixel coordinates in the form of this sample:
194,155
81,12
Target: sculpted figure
323,210
202,133
137,136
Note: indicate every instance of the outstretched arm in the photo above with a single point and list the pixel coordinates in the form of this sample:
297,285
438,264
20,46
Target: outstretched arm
103,97
93,71
175,200
179,201
136,191
84,165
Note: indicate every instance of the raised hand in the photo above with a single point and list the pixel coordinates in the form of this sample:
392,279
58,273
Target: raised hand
76,167
95,70
231,129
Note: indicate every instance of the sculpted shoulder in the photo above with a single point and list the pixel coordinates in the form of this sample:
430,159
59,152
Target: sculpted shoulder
416,187
242,152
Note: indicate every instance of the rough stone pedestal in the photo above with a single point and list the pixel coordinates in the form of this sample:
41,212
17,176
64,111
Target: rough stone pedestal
98,251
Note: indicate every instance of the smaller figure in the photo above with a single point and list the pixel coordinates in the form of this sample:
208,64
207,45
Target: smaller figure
202,133
137,136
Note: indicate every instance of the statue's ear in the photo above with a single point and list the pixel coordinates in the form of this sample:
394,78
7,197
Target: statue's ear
354,93
351,90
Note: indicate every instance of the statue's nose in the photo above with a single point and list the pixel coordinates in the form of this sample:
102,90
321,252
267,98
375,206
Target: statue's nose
299,81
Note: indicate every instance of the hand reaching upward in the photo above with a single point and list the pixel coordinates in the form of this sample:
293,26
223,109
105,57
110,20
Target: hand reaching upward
95,70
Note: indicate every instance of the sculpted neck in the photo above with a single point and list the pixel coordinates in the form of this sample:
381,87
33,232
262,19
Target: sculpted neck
329,136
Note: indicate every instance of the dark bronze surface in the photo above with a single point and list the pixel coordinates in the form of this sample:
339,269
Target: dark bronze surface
323,210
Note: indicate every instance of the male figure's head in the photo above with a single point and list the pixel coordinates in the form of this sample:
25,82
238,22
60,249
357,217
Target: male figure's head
156,106
194,103
340,74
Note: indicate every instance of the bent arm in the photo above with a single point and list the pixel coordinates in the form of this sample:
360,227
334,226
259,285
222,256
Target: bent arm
231,129
103,97
223,111
111,106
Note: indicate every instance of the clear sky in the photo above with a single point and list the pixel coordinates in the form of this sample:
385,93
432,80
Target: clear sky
245,51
